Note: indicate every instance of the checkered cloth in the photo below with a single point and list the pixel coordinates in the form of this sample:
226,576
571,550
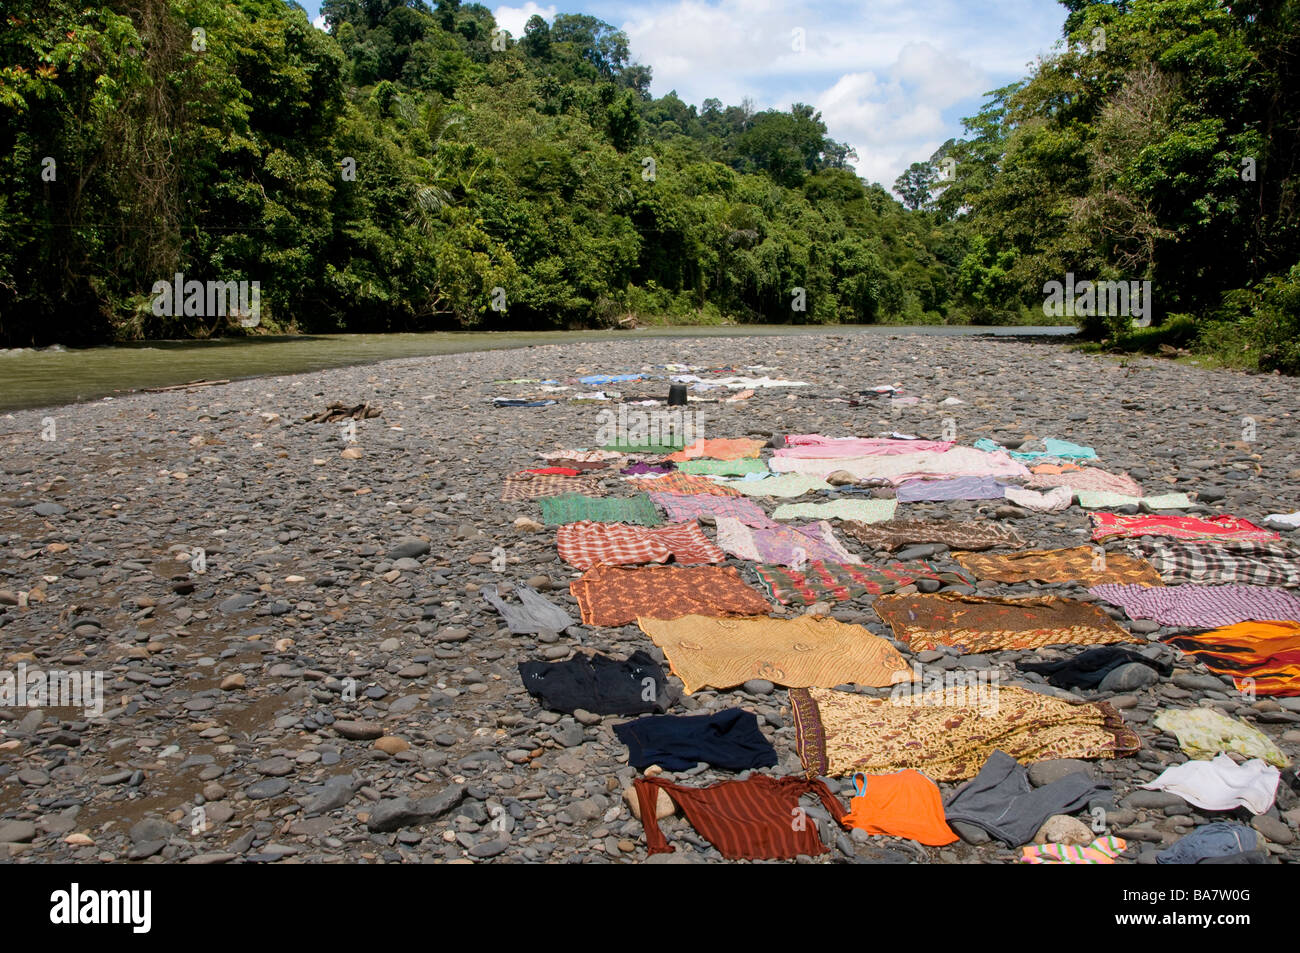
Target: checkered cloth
1231,561
837,582
532,486
574,508
683,507
682,483
588,544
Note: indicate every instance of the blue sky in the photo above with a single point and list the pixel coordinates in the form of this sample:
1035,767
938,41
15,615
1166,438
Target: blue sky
891,77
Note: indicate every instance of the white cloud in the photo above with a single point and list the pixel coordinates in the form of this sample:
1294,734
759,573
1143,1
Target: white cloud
889,76
319,23
514,19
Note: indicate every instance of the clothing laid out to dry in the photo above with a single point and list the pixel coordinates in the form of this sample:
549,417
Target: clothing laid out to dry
1204,732
610,595
1212,528
705,651
641,468
815,446
899,468
724,449
785,485
1263,657
1055,500
895,534
755,819
682,483
1090,479
985,624
575,508
1202,606
1086,565
1103,850
739,467
905,804
1215,840
585,544
681,508
957,488
836,582
580,456
1221,784
782,545
730,740
862,511
949,734
1099,499
598,683
532,486
1001,801
1090,667
535,613
1220,563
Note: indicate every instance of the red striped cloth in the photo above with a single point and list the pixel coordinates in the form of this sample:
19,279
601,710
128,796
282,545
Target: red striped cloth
755,819
587,543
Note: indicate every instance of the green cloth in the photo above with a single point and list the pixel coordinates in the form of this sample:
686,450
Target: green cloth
659,448
1204,732
1097,499
723,467
785,484
864,511
573,507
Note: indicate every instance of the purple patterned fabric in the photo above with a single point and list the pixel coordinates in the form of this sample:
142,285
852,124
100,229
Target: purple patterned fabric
1207,606
682,507
640,468
958,488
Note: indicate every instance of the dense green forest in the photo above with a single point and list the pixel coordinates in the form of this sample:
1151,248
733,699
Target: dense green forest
415,167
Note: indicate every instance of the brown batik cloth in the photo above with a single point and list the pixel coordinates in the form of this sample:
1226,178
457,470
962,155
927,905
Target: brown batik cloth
947,736
530,486
1086,565
980,624
894,534
610,595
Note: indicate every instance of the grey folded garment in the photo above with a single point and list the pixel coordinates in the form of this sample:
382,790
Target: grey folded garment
1001,800
1209,843
534,614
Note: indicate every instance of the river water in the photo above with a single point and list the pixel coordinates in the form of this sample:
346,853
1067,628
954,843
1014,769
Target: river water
44,378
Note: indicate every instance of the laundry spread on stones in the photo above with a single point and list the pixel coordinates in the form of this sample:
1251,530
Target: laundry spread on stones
712,509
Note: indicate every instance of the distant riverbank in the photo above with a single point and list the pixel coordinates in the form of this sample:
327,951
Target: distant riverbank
53,376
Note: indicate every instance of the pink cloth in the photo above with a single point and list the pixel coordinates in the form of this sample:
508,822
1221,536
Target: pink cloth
901,467
817,447
1089,478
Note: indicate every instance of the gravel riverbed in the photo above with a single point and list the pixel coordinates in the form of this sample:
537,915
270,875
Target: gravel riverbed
335,567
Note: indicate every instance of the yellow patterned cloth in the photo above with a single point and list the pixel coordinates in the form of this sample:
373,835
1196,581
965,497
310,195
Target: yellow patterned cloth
981,624
1087,565
705,651
948,734
1204,732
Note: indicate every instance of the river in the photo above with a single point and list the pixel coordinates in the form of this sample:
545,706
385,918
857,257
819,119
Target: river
49,377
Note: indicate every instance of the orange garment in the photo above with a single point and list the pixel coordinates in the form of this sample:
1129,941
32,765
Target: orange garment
906,804
722,449
1054,467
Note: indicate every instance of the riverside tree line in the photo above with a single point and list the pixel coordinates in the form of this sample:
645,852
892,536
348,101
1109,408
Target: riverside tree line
415,167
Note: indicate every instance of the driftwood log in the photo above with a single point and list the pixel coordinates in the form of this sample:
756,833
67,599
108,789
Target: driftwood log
341,411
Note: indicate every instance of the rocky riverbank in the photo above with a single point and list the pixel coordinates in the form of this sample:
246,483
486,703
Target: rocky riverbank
234,571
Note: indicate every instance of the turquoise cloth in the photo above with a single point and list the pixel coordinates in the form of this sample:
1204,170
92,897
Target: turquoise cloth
1062,449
